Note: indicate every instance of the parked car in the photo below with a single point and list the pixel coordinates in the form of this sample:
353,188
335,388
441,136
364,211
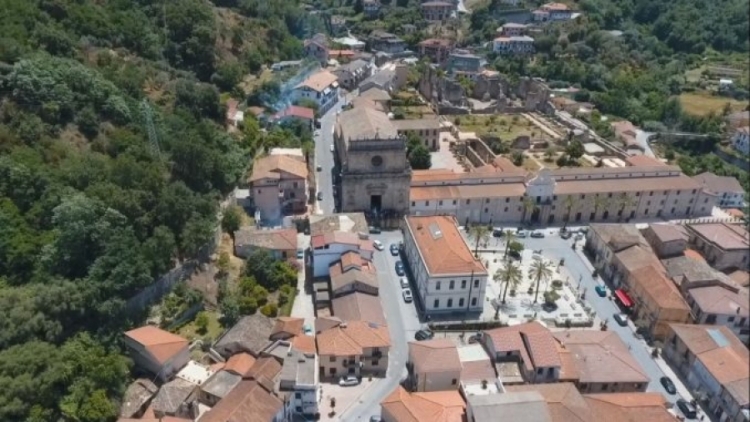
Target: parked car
687,409
424,335
521,234
400,268
378,245
537,234
320,196
498,233
394,249
331,147
307,328
404,283
566,234
348,380
406,293
578,237
515,255
621,319
318,168
376,418
300,254
668,385
374,230
601,290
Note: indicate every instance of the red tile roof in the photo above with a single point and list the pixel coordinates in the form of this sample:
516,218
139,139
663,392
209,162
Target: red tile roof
162,345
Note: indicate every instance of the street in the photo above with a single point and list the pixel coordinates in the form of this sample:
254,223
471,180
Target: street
324,159
402,321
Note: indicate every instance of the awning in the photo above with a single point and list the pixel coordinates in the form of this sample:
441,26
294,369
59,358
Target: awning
623,298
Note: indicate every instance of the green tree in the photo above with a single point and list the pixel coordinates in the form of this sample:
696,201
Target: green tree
419,158
528,206
624,201
549,154
600,202
574,149
201,322
270,310
510,238
568,202
539,271
511,276
517,157
231,221
481,234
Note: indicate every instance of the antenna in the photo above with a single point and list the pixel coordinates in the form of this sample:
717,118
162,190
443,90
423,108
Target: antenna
148,121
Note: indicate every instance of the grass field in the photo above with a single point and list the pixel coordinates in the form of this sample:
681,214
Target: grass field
700,104
507,127
190,331
414,112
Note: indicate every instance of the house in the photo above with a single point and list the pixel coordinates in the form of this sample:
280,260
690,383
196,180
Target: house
511,29
426,129
386,42
286,328
353,274
463,62
298,381
516,44
476,367
449,278
434,365
688,273
741,140
552,12
657,301
353,348
352,74
217,387
350,43
727,188
437,11
433,406
137,398
718,305
530,345
725,246
281,243
173,399
374,97
278,186
296,113
738,119
625,131
667,240
250,334
321,87
358,307
234,116
248,401
371,8
617,250
382,79
436,49
317,48
329,247
157,351
716,366
240,364
513,406
565,403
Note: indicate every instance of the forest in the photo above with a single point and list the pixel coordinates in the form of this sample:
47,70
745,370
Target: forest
113,159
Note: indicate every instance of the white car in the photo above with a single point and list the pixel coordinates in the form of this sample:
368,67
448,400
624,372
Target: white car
521,234
331,147
407,295
378,245
404,283
348,381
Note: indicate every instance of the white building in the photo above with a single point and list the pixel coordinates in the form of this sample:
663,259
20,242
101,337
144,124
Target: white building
521,44
448,277
728,190
741,140
552,12
321,87
299,379
327,248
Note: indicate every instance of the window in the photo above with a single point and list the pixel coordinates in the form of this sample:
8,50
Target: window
648,202
473,301
454,381
295,185
292,195
672,211
661,202
451,285
437,285
675,202
487,201
637,194
461,302
583,196
605,386
463,284
468,201
413,203
506,209
333,358
259,193
507,200
297,396
658,213
538,199
436,304
476,284
426,203
711,319
440,202
554,197
609,195
375,362
486,210
645,212
298,409
332,371
450,303
730,319
454,202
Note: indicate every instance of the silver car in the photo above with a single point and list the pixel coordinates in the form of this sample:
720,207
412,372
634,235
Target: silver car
404,283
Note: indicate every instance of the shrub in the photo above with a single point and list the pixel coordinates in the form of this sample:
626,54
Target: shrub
270,310
201,322
551,296
557,284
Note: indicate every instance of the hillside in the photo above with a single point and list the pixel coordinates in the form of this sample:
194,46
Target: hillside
113,157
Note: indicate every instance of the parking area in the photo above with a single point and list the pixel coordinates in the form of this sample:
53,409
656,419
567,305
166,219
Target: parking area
345,398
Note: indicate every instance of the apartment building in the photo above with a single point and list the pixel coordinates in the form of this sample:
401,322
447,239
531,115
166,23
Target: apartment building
721,305
371,8
552,12
353,348
725,246
506,194
437,11
511,29
741,140
514,44
667,240
656,301
317,48
327,248
427,129
353,274
352,74
278,186
434,365
464,63
386,42
298,380
716,366
727,189
618,250
436,49
321,87
448,277
157,351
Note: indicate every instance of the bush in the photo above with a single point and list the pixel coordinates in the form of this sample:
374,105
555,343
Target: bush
557,284
270,310
201,322
248,305
551,296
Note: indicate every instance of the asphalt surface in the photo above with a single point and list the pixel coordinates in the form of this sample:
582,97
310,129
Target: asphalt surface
402,321
324,158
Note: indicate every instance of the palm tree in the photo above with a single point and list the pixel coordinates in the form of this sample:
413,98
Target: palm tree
480,233
510,237
569,201
528,205
511,275
599,203
624,201
540,270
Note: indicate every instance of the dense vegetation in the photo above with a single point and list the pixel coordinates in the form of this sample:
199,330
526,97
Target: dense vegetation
113,157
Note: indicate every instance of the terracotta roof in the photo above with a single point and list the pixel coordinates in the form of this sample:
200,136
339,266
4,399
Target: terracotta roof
435,42
273,239
365,123
719,184
162,345
436,355
702,338
734,212
375,94
321,240
721,301
694,255
723,235
668,232
740,277
350,338
240,363
662,290
264,371
417,124
624,128
296,111
441,246
352,259
542,349
358,307
636,257
556,6
629,407
319,81
247,402
508,339
564,402
304,343
601,357
643,160
275,167
290,326
325,323
249,334
625,184
341,278
436,406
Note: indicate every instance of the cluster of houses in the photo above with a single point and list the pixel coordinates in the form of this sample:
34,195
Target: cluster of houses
686,286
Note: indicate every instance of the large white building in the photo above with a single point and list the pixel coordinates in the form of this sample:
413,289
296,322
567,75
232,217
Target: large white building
515,44
448,277
329,247
321,87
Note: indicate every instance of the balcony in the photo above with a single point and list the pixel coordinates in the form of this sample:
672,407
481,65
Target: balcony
350,362
377,354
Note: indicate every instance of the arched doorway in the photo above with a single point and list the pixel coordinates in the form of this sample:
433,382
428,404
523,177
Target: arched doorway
535,215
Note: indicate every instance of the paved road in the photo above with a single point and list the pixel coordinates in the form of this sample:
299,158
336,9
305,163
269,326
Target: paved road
324,159
642,138
403,322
